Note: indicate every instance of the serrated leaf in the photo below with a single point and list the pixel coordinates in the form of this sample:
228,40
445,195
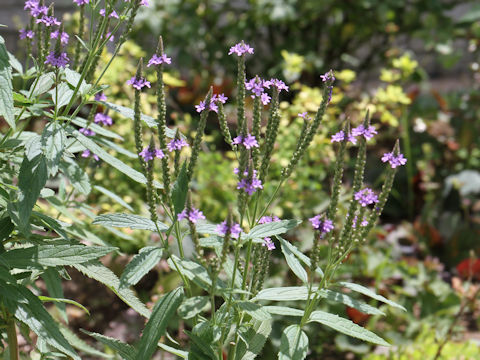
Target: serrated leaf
73,78
367,292
126,351
61,94
346,327
272,228
113,161
294,264
140,265
43,84
113,196
349,301
130,114
283,310
300,256
52,280
6,228
200,348
157,324
63,301
287,293
256,311
17,65
53,255
33,146
53,224
95,270
253,340
81,345
131,221
77,176
180,189
6,89
171,350
195,272
97,128
28,309
193,306
293,344
53,142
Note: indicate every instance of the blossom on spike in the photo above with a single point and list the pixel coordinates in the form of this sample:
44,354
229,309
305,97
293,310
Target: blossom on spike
148,154
367,133
223,228
321,223
248,141
240,49
138,83
26,34
80,2
250,185
87,153
103,118
159,59
64,37
338,137
100,97
366,197
48,21
393,160
362,224
176,144
268,243
328,76
279,84
193,215
268,219
57,60
87,132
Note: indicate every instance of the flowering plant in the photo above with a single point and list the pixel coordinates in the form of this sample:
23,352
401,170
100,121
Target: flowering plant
222,294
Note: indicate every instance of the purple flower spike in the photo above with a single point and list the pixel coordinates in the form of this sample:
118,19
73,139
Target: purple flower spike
362,224
48,21
38,10
268,219
87,132
393,160
31,4
148,154
176,144
338,137
87,153
64,37
57,60
268,243
100,97
193,215
80,2
250,185
26,34
104,119
213,107
159,153
219,98
157,60
321,223
367,133
235,229
265,99
366,197
138,83
240,49
328,76
279,84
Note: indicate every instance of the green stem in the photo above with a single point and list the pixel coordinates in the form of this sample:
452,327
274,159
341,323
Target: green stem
409,165
12,339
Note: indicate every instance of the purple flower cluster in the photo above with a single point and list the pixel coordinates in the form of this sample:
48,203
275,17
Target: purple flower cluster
257,86
148,154
193,215
223,228
157,60
104,119
176,144
366,197
360,130
393,160
321,223
100,97
48,21
64,37
87,132
26,34
35,8
139,83
87,153
213,106
363,223
328,77
268,243
340,136
268,219
113,14
80,2
240,49
248,141
249,185
279,84
57,59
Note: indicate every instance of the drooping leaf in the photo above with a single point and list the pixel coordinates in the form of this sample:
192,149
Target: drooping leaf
6,89
61,94
294,264
140,265
349,301
95,270
63,301
253,340
126,351
293,344
346,327
272,228
256,311
367,292
157,324
44,83
77,176
73,78
300,256
131,221
193,306
53,142
81,345
113,196
28,309
52,280
180,189
283,310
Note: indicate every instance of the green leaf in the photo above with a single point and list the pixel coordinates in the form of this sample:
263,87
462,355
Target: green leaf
126,351
288,293
346,327
283,310
81,345
300,256
349,301
130,114
293,344
271,229
367,292
6,228
195,272
294,264
140,265
256,311
53,142
73,78
113,161
53,255
113,196
133,222
53,224
28,309
95,270
52,280
61,94
97,128
6,89
77,176
64,301
171,350
17,65
193,306
44,83
157,324
253,339
180,189
201,348
32,179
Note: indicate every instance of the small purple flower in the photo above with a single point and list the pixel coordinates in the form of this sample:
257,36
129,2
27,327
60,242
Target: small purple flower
303,115
64,37
265,99
240,49
338,137
148,154
103,118
176,144
138,83
109,36
87,153
367,133
157,60
250,185
279,84
57,60
328,76
366,197
201,106
268,243
30,4
26,34
248,141
80,2
235,229
38,10
159,153
320,222
219,98
100,97
48,21
113,14
363,223
268,219
87,132
393,160
193,215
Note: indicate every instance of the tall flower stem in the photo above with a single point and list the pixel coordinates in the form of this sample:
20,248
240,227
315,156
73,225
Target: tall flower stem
12,339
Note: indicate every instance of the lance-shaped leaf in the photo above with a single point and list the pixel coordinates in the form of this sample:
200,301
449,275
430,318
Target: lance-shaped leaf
346,327
180,189
300,256
293,344
156,326
77,176
126,351
53,142
6,89
272,228
133,222
256,311
140,265
253,339
367,292
294,264
193,306
288,293
81,345
113,196
61,94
